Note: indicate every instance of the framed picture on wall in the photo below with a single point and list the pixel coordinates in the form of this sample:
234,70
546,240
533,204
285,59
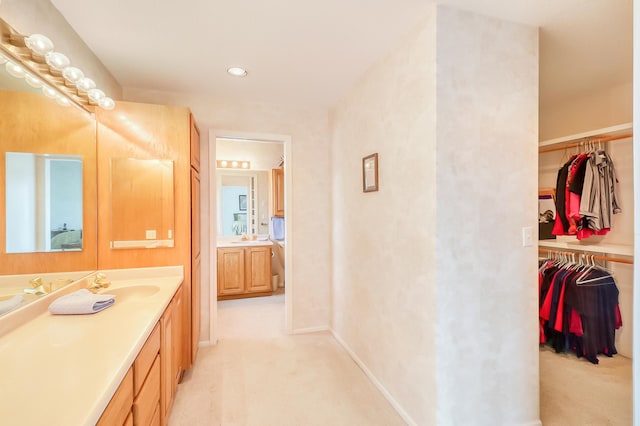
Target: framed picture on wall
242,203
370,173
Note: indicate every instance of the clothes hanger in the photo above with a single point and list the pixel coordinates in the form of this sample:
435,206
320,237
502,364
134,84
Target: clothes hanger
581,281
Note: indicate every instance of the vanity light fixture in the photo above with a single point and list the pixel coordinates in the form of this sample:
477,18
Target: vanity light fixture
237,71
34,59
233,164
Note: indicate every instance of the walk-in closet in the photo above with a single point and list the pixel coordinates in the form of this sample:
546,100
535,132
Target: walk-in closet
586,236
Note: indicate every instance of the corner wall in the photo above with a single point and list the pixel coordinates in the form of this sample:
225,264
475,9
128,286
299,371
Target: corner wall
384,242
487,167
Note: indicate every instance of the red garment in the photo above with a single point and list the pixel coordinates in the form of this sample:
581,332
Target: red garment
545,310
618,317
575,323
560,311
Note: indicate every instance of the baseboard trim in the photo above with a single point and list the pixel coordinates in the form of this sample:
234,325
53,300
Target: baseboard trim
405,416
310,330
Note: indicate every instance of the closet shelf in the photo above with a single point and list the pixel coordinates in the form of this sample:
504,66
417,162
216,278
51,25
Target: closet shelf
614,249
614,131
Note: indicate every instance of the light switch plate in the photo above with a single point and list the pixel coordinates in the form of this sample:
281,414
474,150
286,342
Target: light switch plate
150,234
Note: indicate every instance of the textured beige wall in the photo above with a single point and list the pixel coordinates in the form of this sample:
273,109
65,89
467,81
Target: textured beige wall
384,242
310,172
487,137
594,110
40,16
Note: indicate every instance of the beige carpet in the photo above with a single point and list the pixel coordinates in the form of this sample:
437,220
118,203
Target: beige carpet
574,392
258,375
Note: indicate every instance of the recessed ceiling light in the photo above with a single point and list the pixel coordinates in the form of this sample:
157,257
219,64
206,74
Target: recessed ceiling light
237,71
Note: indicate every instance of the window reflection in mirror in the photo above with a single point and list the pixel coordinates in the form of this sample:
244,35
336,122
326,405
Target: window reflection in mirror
43,202
142,210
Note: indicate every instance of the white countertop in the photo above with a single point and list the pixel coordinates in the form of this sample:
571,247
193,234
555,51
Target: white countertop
64,369
241,243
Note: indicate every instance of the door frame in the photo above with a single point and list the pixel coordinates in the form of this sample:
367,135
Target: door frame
209,214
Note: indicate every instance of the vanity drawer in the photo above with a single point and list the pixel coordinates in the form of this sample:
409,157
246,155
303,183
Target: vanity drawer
145,359
120,405
144,406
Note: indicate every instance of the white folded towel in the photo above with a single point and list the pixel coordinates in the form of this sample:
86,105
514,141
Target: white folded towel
11,304
81,302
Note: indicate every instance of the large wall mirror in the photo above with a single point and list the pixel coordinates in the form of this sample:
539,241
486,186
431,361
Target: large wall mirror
142,210
242,202
48,185
43,202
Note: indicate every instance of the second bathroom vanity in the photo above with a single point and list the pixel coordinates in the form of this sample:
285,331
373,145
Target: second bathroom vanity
244,269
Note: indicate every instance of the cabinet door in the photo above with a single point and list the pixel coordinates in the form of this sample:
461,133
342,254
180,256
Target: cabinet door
166,363
277,192
258,269
195,144
195,307
195,264
231,267
177,336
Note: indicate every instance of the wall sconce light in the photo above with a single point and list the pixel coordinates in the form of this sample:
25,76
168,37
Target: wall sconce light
233,164
33,58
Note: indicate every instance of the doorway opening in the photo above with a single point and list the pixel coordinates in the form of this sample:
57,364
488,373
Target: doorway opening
249,203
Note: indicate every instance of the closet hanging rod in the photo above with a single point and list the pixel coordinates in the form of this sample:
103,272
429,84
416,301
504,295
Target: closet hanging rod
595,257
586,140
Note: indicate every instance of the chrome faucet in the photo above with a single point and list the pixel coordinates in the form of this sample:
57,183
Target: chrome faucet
99,282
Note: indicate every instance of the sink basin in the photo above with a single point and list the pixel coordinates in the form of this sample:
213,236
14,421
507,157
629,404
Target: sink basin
132,292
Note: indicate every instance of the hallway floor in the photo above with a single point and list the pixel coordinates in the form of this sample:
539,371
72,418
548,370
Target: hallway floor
574,392
258,375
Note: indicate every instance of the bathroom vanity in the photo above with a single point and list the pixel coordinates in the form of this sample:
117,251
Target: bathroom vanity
244,269
118,366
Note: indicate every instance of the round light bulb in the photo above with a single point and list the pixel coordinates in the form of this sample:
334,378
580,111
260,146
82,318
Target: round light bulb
223,163
49,92
237,71
62,100
72,74
245,165
95,95
33,81
14,70
86,84
107,103
57,60
39,44
234,164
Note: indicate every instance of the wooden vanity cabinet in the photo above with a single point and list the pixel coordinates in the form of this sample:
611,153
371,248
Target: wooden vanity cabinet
277,192
146,394
170,354
244,272
119,408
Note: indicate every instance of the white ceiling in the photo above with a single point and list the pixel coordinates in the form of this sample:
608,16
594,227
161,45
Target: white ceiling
310,53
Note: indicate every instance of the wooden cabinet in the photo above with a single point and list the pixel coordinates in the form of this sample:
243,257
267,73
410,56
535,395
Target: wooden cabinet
277,192
244,272
146,394
170,354
257,266
119,408
195,243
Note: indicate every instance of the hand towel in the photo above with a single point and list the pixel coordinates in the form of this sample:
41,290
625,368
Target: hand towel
81,302
11,304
